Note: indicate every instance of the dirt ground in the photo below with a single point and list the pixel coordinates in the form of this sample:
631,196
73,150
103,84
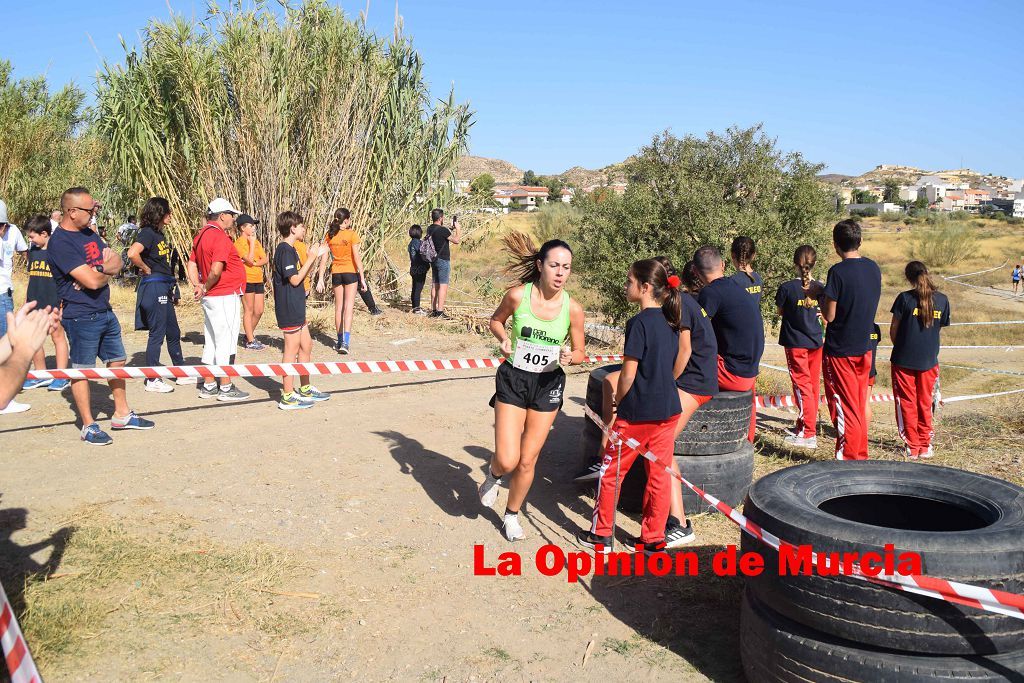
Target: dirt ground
239,542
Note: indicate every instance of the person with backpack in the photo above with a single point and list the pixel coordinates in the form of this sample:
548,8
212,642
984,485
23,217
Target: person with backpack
436,251
417,268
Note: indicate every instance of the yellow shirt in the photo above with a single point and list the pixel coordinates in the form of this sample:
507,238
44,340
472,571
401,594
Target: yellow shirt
341,249
253,274
303,252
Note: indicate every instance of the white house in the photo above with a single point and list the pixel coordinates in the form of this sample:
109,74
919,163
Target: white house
567,195
521,196
880,207
908,193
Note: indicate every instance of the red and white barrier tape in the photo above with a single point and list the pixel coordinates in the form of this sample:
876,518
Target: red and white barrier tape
987,599
284,369
20,664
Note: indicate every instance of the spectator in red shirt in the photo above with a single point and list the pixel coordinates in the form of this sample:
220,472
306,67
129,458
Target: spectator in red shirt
217,276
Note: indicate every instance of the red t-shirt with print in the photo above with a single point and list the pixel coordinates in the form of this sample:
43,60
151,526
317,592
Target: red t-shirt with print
211,245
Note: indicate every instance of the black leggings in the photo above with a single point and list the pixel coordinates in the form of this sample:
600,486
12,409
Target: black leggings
417,288
367,298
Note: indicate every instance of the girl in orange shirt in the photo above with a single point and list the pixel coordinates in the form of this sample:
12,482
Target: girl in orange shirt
254,257
346,274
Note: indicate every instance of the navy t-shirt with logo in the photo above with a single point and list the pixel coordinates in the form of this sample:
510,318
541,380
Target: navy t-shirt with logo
736,319
916,347
41,287
752,283
653,396
289,300
800,326
67,250
700,377
855,284
155,251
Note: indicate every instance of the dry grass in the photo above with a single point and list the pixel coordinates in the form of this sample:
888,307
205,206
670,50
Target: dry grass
116,588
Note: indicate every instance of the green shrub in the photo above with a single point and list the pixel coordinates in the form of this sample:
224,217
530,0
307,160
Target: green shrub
556,220
891,216
943,245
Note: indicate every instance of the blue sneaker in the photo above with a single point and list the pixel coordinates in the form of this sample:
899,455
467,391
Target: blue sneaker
131,421
35,384
59,385
92,434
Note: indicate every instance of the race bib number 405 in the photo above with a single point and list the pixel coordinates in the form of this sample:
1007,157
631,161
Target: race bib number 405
535,357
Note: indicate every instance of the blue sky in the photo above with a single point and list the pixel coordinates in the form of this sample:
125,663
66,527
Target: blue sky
556,84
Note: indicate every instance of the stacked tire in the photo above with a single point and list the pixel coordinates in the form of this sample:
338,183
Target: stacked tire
712,451
965,527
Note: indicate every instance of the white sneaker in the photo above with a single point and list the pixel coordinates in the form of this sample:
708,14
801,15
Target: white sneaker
928,453
489,489
810,442
513,531
15,407
185,381
159,386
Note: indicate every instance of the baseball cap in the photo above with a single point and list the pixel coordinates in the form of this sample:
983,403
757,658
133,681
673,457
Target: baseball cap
221,205
243,219
3,212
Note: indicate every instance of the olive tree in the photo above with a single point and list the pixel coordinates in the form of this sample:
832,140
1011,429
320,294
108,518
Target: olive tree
684,193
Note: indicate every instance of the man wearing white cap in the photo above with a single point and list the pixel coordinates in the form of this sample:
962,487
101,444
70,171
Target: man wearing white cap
217,276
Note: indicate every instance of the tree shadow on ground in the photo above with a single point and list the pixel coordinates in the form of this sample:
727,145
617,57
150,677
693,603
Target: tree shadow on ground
17,565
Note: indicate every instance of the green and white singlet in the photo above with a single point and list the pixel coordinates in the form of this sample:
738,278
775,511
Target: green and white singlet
536,343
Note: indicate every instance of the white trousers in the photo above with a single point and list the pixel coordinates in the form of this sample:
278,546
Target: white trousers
222,319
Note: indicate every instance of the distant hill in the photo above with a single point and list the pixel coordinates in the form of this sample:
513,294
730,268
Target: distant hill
908,175
505,172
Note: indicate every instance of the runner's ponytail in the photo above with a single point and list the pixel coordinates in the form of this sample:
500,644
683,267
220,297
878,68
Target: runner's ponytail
924,287
743,252
524,256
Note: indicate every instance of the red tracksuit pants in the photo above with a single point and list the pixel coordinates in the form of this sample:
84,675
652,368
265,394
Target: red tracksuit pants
805,374
655,437
846,390
730,382
913,392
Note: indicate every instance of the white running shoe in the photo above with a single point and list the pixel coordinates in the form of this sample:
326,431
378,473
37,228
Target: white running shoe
512,528
810,442
14,407
489,489
184,381
159,386
928,453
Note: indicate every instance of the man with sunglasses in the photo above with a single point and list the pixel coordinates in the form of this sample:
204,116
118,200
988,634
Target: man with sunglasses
82,266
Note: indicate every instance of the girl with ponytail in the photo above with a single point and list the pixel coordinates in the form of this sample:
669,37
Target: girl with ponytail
801,336
918,315
346,274
648,405
530,383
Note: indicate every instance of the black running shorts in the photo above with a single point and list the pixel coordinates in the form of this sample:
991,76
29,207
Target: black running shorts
539,391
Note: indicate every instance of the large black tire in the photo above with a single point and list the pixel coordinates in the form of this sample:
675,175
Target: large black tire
774,648
719,426
726,477
966,527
